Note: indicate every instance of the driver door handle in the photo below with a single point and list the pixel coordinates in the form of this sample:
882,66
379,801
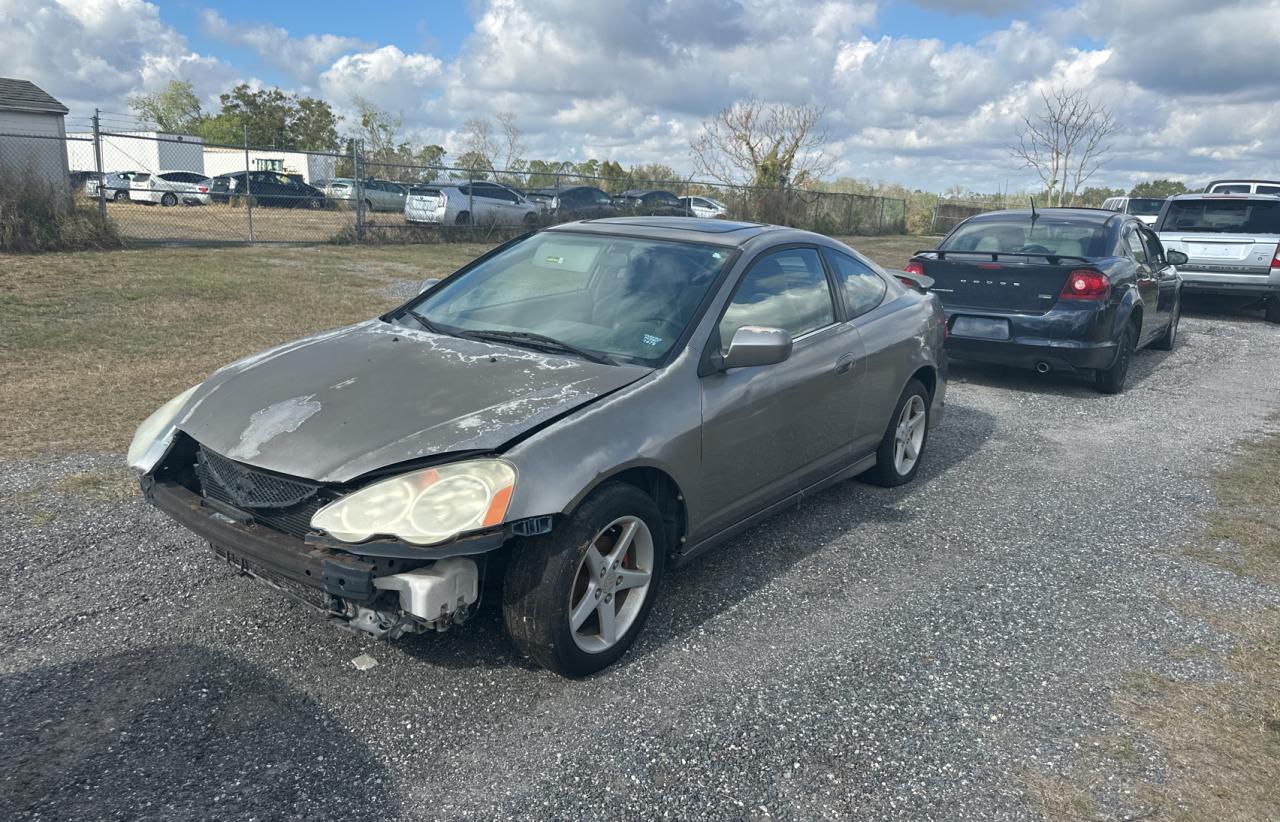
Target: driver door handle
845,364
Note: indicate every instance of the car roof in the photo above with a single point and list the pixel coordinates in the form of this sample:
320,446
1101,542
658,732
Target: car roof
640,192
1241,180
1101,216
683,229
1201,195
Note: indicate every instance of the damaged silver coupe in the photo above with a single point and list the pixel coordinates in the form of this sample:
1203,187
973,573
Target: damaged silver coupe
556,424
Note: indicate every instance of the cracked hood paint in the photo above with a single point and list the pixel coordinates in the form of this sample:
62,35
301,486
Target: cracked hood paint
340,404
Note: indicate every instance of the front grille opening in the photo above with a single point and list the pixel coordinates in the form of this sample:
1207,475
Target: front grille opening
284,504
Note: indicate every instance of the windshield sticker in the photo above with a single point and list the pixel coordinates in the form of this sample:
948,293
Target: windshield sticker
649,339
555,260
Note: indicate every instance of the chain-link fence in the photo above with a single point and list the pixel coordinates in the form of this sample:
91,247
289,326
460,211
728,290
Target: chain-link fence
947,214
174,188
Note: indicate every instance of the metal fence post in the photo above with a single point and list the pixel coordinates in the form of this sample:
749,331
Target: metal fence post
97,160
357,163
248,186
471,198
880,215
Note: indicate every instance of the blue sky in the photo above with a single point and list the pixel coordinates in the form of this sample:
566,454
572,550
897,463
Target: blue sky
927,93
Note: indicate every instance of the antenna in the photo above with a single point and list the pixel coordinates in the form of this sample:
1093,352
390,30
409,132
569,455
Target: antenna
1035,215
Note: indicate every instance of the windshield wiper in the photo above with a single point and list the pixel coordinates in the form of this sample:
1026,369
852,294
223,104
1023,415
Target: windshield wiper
427,324
530,339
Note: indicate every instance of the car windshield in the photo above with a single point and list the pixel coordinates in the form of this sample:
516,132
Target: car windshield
1145,206
627,299
1224,216
1020,235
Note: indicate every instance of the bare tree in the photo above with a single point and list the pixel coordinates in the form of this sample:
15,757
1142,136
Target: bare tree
762,144
1066,142
512,138
478,142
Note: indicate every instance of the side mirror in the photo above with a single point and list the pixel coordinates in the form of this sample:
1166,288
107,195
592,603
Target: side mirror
428,285
1175,258
753,345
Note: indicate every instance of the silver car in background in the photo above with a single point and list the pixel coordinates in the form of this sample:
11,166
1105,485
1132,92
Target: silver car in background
378,195
559,422
116,185
703,206
465,202
1232,243
169,188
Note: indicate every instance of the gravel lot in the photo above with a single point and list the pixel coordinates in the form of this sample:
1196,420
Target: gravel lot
881,654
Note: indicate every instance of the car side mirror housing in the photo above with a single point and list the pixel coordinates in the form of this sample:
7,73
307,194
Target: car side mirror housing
1175,258
753,345
428,284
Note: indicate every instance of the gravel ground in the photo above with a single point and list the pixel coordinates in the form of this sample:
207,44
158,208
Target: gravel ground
878,654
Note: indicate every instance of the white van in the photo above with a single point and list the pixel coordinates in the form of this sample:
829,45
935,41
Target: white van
1145,209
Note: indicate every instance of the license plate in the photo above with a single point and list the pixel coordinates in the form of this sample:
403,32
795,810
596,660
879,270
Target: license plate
987,328
1217,251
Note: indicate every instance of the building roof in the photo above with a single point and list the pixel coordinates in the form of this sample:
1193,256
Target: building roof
24,95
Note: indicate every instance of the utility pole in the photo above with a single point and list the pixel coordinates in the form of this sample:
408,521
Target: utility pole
248,187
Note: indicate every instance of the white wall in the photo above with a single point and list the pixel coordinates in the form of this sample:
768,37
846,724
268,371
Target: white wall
34,143
230,160
140,151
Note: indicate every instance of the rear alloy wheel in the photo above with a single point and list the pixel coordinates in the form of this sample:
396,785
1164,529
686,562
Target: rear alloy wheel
1111,380
464,218
900,452
574,600
1273,310
169,199
530,220
120,196
1170,337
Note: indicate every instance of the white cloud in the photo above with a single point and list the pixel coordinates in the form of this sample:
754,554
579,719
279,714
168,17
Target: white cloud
302,58
387,76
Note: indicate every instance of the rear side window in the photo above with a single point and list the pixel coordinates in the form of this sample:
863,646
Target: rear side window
863,288
1231,189
786,289
1134,244
1224,216
1045,236
1269,189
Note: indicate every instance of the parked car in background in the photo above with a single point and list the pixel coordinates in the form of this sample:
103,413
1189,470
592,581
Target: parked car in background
1232,242
566,417
1067,289
1144,208
269,188
463,202
1243,187
169,188
378,195
651,202
573,203
703,206
79,181
115,183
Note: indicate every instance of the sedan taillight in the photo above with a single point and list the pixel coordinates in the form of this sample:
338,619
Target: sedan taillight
202,189
1085,284
914,267
1275,259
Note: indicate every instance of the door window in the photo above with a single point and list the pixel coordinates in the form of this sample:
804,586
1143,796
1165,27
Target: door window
862,287
1155,251
1134,244
786,289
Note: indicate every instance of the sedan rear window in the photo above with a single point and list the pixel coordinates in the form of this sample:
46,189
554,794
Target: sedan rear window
1242,216
1044,236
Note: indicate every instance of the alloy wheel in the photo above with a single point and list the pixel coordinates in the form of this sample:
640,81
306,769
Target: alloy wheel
611,584
909,437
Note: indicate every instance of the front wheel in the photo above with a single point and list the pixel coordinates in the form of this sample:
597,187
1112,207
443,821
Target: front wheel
900,452
574,600
169,200
1111,380
1170,337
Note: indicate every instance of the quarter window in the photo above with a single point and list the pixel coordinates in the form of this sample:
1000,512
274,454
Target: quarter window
1134,242
862,287
786,289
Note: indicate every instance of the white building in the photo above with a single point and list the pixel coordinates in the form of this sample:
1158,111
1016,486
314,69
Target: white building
32,133
312,167
150,151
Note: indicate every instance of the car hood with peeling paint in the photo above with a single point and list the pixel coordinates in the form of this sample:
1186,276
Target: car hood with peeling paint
338,405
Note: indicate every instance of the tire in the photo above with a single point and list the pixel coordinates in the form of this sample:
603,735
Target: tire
1170,337
169,199
120,196
368,206
894,468
1111,380
464,218
315,204
530,220
548,575
1272,314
